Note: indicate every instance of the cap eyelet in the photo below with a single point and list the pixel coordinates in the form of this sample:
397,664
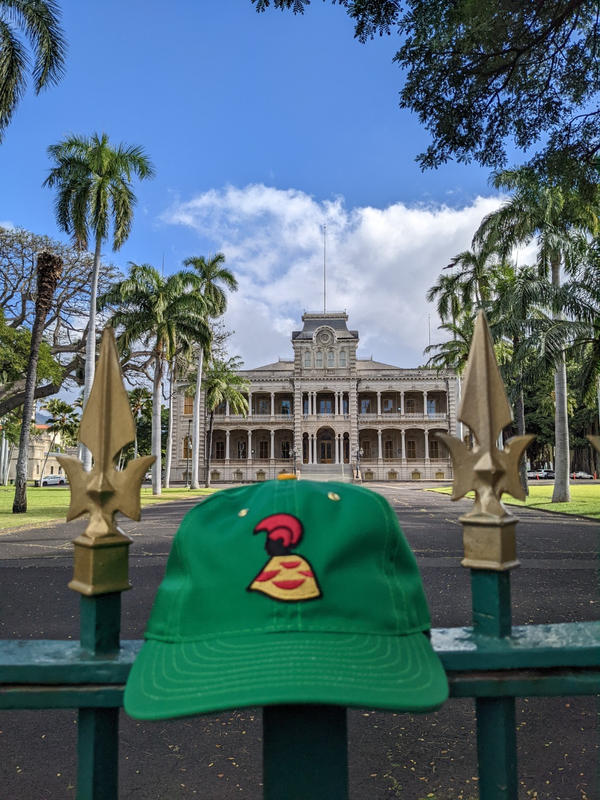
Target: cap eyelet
333,496
243,512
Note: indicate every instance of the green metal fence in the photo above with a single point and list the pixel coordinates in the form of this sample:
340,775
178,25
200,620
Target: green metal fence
491,661
481,662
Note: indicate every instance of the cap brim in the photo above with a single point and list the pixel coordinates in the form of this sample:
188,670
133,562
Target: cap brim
400,673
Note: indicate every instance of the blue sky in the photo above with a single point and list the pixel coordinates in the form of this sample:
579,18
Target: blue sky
261,127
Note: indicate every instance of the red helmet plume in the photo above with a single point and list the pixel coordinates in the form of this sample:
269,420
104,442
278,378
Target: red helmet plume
281,527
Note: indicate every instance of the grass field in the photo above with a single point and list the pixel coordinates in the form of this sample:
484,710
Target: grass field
50,503
585,499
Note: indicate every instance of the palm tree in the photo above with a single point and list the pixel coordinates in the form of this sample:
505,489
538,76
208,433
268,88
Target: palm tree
211,274
64,421
49,270
163,315
454,352
516,316
556,219
223,384
39,19
140,400
93,182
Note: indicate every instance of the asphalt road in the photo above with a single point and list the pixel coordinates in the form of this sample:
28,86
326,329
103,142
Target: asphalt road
391,755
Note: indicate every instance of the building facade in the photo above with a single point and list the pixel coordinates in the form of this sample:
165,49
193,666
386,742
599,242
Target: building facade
327,413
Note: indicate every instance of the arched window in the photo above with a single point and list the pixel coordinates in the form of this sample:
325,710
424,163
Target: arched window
307,358
319,359
342,358
330,359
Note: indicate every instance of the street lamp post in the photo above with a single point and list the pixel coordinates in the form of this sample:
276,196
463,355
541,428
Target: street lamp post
188,448
359,453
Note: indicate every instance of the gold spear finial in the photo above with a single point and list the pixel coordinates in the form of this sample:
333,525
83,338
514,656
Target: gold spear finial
107,425
485,410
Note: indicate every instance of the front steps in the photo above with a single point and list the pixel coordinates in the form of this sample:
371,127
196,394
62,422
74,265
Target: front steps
326,472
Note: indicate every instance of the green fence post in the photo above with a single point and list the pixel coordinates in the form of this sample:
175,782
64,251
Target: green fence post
496,724
489,542
100,570
98,729
305,752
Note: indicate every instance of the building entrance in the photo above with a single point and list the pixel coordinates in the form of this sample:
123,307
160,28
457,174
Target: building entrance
326,452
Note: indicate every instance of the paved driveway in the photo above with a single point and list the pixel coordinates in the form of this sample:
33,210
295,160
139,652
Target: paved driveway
391,755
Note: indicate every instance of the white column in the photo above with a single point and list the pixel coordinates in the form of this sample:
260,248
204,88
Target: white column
314,447
226,408
249,404
402,402
337,449
403,435
272,403
227,445
249,453
379,451
335,403
426,445
272,444
378,404
425,403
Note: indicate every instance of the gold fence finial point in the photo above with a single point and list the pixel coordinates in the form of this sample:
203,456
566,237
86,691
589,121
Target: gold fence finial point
485,410
107,425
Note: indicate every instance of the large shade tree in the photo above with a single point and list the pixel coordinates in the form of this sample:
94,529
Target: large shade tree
486,76
160,315
94,194
557,220
39,20
213,279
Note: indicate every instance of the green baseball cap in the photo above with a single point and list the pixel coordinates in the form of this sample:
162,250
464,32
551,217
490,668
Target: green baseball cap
288,592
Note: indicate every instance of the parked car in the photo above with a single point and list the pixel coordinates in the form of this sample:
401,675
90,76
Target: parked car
54,480
582,474
535,473
548,473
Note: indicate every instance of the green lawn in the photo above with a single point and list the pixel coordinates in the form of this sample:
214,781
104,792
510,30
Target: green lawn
50,503
585,499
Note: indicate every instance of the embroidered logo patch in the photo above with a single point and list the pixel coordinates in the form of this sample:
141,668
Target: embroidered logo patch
286,576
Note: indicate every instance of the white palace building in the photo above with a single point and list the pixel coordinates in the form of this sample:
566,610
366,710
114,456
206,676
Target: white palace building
328,414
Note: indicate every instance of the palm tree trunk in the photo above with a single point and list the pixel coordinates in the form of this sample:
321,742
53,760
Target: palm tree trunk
196,425
209,448
520,419
9,455
3,452
170,428
49,269
156,424
90,346
562,493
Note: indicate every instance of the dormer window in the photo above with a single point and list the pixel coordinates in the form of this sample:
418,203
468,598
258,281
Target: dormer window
307,359
342,358
330,359
319,359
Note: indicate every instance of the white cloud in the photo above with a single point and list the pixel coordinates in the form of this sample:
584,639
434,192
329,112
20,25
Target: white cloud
380,263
